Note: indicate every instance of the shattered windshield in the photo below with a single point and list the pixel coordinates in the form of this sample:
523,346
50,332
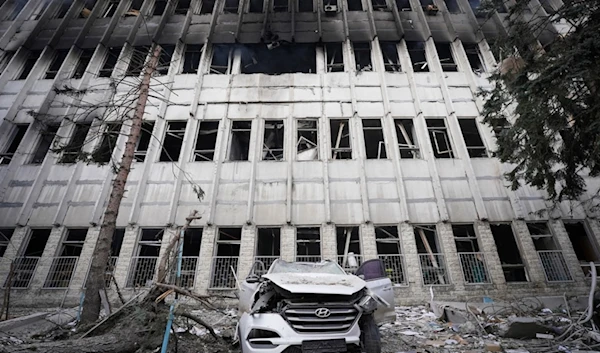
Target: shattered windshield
328,267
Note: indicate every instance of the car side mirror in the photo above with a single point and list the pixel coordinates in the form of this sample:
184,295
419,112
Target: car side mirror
252,279
361,276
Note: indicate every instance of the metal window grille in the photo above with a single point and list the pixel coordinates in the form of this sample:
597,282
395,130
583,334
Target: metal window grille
308,258
433,269
188,271
394,268
141,271
61,271
348,264
223,268
267,261
555,266
474,267
23,271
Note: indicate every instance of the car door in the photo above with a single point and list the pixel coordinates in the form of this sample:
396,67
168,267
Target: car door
373,272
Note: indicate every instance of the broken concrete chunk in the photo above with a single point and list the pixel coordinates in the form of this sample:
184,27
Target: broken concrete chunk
544,336
493,347
524,327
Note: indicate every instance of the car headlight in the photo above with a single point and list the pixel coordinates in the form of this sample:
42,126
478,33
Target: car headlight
368,304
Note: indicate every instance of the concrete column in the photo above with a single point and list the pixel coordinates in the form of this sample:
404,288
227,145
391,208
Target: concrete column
85,259
328,242
12,251
562,238
43,267
127,251
412,270
367,241
448,248
246,251
528,253
488,247
288,243
203,272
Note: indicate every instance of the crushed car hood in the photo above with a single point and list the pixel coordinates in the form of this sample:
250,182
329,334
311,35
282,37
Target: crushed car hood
317,283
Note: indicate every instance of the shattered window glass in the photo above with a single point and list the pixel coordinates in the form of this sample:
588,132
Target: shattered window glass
276,58
362,56
307,145
272,149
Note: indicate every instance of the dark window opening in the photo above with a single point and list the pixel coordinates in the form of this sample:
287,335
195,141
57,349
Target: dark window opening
73,243
110,62
8,55
334,57
207,6
87,8
348,240
305,5
416,51
37,242
15,139
171,147
403,5
240,140
308,244
117,241
542,237
183,5
471,259
228,242
280,5
268,242
29,64
279,58
355,5
136,5
509,253
387,240
391,60
446,59
63,9
465,238
374,141
144,141
362,56
473,140
583,243
192,240
72,150
111,8
82,63
272,149
433,270
340,139
59,58
226,260
206,141
307,146
379,5
474,57
231,6
164,60
103,153
44,144
256,6
138,59
159,7
149,243
426,238
452,6
222,59
5,235
440,138
407,143
17,6
191,59
143,264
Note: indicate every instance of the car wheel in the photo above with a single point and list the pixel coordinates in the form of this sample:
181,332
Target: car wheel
369,335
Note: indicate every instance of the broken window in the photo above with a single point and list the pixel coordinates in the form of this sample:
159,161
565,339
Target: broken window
183,5
63,9
334,57
407,142
164,60
305,5
240,140
553,261
389,252
24,266
115,249
207,6
87,8
275,58
440,138
73,243
416,51
72,150
340,139
256,6
222,59
226,258
583,243
191,59
63,266
474,57
472,260
135,7
37,242
5,235
138,59
307,145
280,5
431,258
509,253
111,8
362,56
57,60
171,147
206,141
110,61
272,149
143,263
231,6
8,55
13,142
403,5
44,144
82,63
374,141
144,141
103,153
308,244
380,5
28,64
268,246
192,240
159,7
348,247
446,59
391,60
355,5
473,140
17,6
452,6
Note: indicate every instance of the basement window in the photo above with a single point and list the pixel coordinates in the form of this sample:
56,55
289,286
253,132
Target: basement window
473,140
164,60
509,253
44,143
225,262
256,6
222,59
391,60
103,153
159,7
273,142
379,5
14,140
144,141
403,5
474,57
452,6
440,138
276,58
355,5
407,143
431,258
143,264
584,245
305,5
72,151
82,63
416,51
206,141
5,235
240,140
191,59
280,5
57,60
30,61
182,7
231,6
137,61
446,59
171,148
348,247
308,244
340,139
111,8
374,141
362,56
110,62
334,57
207,7
307,145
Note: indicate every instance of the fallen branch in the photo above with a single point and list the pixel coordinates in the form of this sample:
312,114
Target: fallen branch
200,321
109,316
187,293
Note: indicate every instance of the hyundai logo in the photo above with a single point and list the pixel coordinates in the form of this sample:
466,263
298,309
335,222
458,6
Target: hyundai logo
322,313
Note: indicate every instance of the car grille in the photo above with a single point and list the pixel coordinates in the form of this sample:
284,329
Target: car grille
302,317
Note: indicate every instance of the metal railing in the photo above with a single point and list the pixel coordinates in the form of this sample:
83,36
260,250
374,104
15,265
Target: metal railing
555,266
188,271
394,268
267,261
61,271
141,271
433,269
23,271
222,276
474,268
350,263
308,258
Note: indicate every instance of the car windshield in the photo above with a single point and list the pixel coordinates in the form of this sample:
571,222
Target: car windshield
328,267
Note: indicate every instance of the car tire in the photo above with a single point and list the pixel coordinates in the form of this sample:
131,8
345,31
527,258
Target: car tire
369,335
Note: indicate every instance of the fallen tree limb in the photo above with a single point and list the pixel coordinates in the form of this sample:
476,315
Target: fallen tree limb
200,321
187,293
104,343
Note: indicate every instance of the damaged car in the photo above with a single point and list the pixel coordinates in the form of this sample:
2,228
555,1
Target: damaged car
302,307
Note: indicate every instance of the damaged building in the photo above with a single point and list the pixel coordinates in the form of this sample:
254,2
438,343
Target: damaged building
344,130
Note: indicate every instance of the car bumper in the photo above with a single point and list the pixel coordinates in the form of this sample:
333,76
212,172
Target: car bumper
287,336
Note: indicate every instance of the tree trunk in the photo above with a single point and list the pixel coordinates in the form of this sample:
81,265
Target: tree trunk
95,282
